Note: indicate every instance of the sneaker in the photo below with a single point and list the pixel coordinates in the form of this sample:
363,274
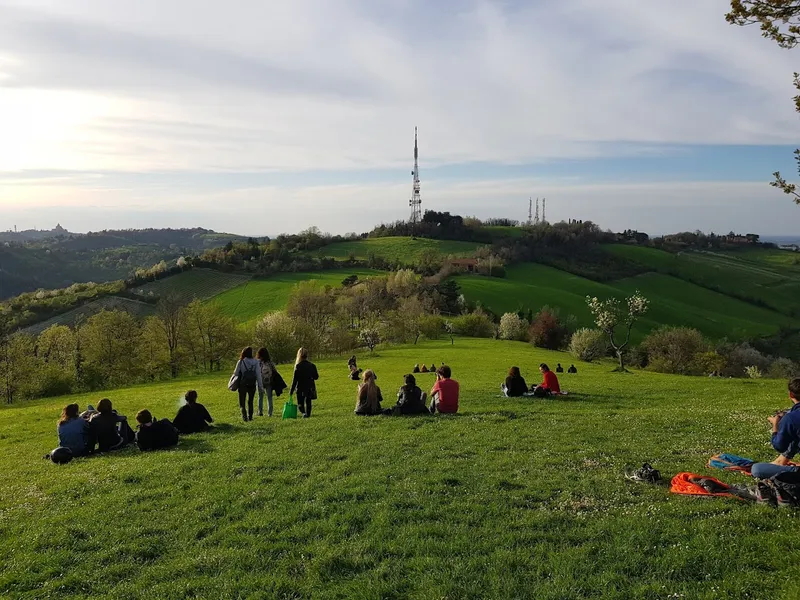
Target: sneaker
646,474
305,416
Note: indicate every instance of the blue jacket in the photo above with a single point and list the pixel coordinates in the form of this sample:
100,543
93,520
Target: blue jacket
74,434
787,439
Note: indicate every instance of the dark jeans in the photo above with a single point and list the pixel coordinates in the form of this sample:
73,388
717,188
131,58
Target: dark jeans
303,403
249,394
768,470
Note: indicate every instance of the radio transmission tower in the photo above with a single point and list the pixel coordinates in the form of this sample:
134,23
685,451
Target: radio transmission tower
544,206
416,202
536,218
530,211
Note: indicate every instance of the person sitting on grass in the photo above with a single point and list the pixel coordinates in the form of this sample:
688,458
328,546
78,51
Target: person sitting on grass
444,393
368,397
559,368
152,435
410,399
572,369
424,368
108,429
785,437
416,368
514,385
549,385
355,373
73,431
432,368
192,416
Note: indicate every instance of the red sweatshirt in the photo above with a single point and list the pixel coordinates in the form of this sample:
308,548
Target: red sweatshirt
551,382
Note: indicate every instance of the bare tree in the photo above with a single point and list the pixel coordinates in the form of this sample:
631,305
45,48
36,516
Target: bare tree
170,312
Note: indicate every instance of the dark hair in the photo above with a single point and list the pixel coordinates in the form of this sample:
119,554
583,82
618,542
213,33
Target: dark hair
190,397
263,355
104,406
70,412
794,388
514,372
444,371
143,417
246,353
544,367
410,380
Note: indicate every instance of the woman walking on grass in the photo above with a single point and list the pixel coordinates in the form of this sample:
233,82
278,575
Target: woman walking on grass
248,374
303,382
267,370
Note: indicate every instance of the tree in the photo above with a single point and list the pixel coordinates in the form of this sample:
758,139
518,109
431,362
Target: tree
370,337
549,330
779,20
512,327
609,314
588,344
109,342
275,332
170,313
210,335
16,362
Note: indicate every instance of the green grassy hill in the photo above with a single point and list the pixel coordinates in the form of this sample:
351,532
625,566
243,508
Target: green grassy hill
81,313
249,301
198,284
511,498
397,249
767,276
673,301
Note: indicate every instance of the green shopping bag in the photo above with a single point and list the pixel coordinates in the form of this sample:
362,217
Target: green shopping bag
290,409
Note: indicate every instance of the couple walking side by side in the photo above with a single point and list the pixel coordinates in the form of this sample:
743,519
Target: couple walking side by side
260,374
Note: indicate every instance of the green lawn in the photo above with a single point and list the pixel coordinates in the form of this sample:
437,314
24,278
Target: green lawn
672,301
512,498
397,249
768,276
257,297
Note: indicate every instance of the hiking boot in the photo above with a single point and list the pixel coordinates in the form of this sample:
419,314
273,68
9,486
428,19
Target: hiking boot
646,474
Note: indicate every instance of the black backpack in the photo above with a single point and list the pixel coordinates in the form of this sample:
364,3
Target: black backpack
781,490
249,377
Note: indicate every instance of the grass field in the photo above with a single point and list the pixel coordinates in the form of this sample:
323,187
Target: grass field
673,301
76,315
397,249
511,498
769,276
253,299
199,284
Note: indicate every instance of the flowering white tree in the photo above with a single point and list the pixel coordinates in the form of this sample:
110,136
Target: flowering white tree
512,327
370,337
609,314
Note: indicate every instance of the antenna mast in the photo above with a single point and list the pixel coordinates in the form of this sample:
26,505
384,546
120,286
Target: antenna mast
530,210
536,218
416,202
544,205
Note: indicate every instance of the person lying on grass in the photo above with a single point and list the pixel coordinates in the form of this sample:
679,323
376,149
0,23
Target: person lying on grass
514,385
410,399
368,396
192,416
785,437
152,435
444,393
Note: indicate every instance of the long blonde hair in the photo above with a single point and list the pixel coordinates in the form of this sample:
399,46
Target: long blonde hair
302,354
368,384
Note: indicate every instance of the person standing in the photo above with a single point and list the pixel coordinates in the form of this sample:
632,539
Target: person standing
267,370
304,382
248,372
444,393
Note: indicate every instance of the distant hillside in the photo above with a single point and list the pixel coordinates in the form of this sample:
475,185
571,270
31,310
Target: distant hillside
397,249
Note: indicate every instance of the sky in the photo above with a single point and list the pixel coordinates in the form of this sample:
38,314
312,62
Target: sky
261,117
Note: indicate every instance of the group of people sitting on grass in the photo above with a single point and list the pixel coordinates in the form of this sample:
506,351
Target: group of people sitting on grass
425,369
104,430
515,386
411,400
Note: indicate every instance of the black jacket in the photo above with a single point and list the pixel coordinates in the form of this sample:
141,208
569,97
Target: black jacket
103,431
305,374
192,418
409,401
515,386
160,434
276,382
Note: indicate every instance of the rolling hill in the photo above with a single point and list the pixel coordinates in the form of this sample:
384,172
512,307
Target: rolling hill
404,250
200,284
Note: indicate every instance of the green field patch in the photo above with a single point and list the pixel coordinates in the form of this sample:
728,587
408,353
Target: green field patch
77,315
476,505
199,284
251,300
404,250
672,301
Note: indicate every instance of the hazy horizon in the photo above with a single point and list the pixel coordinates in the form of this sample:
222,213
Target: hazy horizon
258,117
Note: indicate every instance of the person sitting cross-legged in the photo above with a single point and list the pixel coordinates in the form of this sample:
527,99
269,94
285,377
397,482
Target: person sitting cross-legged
444,393
785,437
514,385
108,429
368,397
152,435
410,399
192,416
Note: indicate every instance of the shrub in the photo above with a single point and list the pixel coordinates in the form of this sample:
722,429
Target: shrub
370,337
474,324
752,372
431,326
548,330
782,368
588,344
738,357
512,327
275,332
711,362
675,350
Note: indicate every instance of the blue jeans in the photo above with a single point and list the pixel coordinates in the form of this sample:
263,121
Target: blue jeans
767,470
268,391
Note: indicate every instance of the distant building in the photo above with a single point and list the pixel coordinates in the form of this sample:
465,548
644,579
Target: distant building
468,264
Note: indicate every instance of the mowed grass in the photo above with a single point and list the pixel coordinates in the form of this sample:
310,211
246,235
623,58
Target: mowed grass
257,297
769,276
672,301
199,284
404,250
511,498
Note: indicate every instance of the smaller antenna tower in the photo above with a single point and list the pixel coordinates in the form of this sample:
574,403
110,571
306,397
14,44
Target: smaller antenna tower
416,202
530,210
544,205
536,218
